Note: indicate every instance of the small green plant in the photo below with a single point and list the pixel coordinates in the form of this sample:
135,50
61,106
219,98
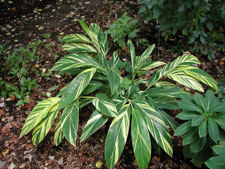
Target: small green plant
124,27
218,161
133,104
204,126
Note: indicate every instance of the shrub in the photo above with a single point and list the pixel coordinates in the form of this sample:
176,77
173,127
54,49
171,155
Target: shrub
199,22
123,99
124,27
204,126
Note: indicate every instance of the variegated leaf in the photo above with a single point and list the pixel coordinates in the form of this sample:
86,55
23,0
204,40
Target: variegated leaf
105,105
41,130
76,87
156,126
70,118
183,60
39,112
152,65
78,48
132,54
76,38
74,61
114,80
91,87
140,139
58,136
96,121
201,76
117,136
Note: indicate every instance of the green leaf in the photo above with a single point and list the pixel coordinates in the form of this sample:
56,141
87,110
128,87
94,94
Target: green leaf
105,105
76,87
132,54
217,162
190,137
114,80
156,126
70,118
96,121
187,115
202,130
117,136
76,38
182,129
188,105
213,130
198,145
197,120
219,149
169,120
200,101
39,112
78,48
41,130
209,25
140,139
74,61
91,87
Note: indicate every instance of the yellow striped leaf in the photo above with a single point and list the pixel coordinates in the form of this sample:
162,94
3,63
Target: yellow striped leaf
74,38
58,136
70,118
76,87
117,136
39,112
78,48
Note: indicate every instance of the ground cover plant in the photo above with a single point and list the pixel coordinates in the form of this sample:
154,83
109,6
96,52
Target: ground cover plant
204,125
198,23
127,101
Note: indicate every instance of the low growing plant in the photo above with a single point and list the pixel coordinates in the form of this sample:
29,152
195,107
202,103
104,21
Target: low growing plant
128,102
123,28
204,126
218,161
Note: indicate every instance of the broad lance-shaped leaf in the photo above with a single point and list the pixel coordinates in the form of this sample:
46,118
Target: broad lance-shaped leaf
79,48
183,60
156,126
70,118
201,76
91,87
39,112
41,130
132,54
114,80
58,136
117,136
74,38
140,139
73,61
105,105
96,121
76,87
213,130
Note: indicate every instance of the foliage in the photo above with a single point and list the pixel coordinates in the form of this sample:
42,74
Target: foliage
200,23
217,162
221,91
123,99
18,65
204,126
122,28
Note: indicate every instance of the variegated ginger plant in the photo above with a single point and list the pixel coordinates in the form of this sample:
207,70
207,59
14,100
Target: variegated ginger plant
120,99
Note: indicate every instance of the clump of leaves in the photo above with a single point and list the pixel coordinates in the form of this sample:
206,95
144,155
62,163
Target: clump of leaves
122,99
204,126
218,161
124,27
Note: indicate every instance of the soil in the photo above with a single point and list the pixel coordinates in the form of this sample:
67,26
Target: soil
60,18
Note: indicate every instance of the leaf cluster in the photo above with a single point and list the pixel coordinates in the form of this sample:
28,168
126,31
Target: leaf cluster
204,126
128,102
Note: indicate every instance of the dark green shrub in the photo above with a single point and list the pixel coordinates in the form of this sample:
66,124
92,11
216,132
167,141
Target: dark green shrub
199,23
